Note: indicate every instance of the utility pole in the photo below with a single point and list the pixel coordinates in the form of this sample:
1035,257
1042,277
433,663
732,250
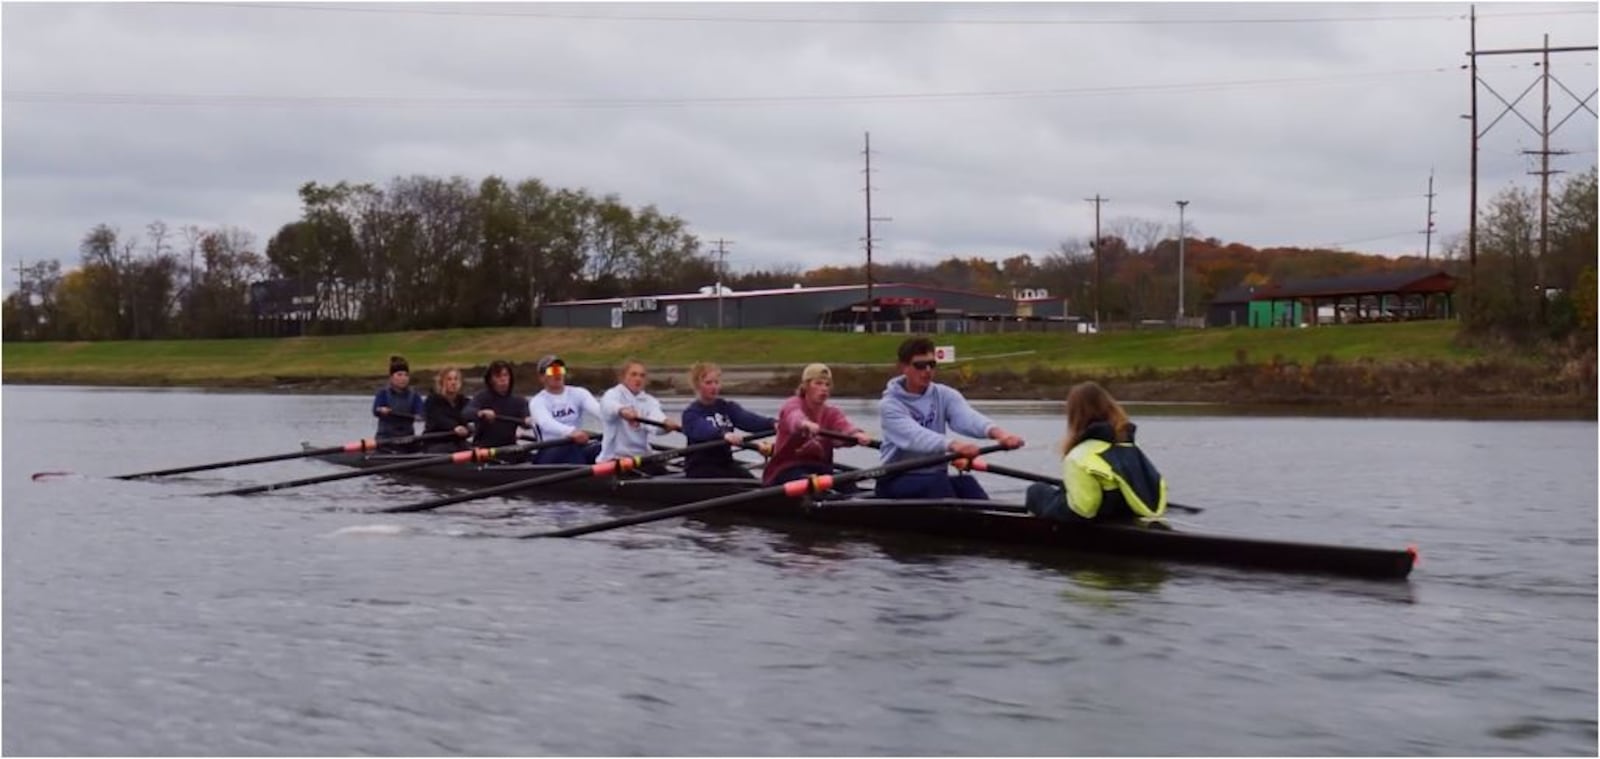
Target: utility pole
1097,200
1181,205
1427,230
1472,214
25,301
722,257
872,322
1544,132
1544,152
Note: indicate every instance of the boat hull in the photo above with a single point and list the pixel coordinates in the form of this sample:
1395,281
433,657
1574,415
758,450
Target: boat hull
987,521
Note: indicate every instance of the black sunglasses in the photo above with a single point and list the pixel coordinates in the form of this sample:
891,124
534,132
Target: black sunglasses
928,364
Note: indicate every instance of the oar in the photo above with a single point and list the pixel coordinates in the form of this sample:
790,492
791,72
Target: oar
359,446
793,489
763,448
984,466
469,456
602,469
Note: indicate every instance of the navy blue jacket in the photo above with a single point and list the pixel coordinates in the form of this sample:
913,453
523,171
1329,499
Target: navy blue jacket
702,423
405,407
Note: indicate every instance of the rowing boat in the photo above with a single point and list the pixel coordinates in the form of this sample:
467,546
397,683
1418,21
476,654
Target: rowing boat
990,521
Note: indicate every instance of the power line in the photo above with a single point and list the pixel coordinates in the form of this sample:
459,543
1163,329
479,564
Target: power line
161,99
546,15
1391,235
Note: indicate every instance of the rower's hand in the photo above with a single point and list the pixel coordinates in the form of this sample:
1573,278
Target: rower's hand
629,415
963,449
384,410
580,437
1006,439
734,438
486,414
672,426
862,438
809,428
462,431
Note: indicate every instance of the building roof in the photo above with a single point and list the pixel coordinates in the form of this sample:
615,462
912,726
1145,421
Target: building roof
1413,281
679,297
1240,294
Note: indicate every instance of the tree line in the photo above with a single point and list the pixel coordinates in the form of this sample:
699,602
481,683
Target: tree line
427,252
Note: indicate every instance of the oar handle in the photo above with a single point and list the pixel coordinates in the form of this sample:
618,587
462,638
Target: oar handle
765,449
846,437
984,466
593,437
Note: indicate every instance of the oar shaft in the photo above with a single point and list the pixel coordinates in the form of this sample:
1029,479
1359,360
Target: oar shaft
368,444
602,469
793,489
470,455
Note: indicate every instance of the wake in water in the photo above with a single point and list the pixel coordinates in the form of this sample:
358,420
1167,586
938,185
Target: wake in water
379,530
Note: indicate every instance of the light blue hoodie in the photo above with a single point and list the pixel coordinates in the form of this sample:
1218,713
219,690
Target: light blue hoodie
914,425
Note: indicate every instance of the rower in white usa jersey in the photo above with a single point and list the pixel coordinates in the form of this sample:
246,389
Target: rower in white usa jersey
558,411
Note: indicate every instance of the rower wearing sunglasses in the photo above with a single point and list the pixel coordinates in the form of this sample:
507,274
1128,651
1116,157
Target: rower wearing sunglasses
557,411
915,414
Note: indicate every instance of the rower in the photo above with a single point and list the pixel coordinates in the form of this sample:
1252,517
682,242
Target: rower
1104,475
622,407
499,412
558,411
710,416
800,451
397,408
914,414
444,411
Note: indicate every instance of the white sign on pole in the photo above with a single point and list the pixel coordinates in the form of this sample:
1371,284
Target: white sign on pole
616,317
945,354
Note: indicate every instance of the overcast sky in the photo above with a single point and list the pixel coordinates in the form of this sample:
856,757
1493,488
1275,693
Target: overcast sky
1282,124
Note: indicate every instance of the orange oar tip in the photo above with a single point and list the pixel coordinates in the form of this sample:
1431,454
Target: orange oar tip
1416,557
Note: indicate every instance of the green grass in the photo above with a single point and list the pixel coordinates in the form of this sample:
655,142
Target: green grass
366,356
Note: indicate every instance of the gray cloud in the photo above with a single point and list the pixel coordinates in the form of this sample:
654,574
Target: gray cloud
1142,112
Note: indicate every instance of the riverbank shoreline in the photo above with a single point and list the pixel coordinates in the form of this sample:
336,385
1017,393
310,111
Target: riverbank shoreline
1473,391
1404,369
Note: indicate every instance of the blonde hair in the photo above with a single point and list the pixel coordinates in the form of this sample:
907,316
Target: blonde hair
700,370
438,379
1088,403
622,368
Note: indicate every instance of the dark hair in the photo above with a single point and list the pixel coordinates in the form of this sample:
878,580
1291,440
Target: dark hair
398,364
914,346
495,367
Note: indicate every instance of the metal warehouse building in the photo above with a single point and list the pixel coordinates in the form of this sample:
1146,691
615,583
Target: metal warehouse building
895,307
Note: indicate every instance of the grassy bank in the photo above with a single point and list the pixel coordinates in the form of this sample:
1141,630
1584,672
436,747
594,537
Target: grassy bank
366,356
1415,363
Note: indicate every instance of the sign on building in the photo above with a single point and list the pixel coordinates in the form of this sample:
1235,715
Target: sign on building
945,354
672,313
638,305
616,317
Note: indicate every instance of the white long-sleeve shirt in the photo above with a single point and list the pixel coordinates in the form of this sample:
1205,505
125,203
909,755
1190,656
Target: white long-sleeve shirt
558,415
623,439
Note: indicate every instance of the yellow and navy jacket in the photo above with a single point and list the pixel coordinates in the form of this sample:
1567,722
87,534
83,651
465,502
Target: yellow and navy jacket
1111,479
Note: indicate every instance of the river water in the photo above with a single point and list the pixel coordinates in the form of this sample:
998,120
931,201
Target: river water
142,618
